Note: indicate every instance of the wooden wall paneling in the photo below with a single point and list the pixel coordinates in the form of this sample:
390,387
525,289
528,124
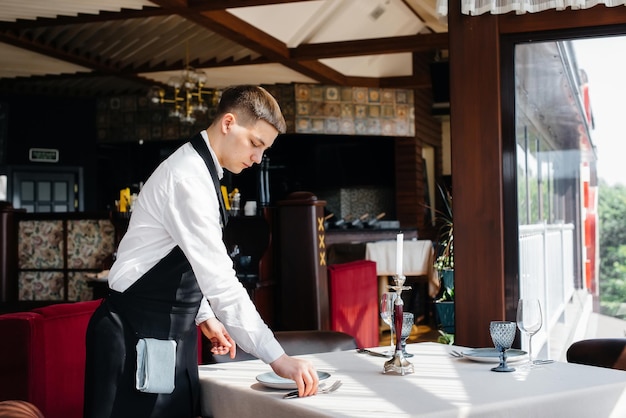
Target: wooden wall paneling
409,162
427,127
509,178
408,173
476,164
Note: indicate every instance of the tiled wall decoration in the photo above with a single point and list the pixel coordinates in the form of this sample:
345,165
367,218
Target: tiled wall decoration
285,96
308,108
354,110
354,202
134,118
46,264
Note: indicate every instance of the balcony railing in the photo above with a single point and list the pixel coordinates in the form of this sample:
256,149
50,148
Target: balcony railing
547,273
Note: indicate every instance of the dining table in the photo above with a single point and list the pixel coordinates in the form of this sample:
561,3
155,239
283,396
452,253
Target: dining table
441,385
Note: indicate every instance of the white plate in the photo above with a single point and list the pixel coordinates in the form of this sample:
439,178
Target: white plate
272,380
491,355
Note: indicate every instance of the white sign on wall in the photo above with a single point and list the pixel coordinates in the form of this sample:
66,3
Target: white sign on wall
43,155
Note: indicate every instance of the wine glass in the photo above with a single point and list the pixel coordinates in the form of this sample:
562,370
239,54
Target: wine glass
387,302
502,335
529,321
407,327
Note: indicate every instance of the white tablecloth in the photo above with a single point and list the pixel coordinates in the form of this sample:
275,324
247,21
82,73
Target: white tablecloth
417,260
442,386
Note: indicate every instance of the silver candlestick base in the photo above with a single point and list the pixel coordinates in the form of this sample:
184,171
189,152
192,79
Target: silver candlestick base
398,364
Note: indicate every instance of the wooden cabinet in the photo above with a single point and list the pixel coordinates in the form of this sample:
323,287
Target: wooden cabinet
303,268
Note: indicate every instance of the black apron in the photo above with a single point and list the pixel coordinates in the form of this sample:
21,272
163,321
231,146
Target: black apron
162,304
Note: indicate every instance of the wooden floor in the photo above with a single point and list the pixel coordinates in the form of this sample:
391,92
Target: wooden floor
420,333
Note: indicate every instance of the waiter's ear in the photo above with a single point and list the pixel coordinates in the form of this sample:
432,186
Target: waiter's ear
227,122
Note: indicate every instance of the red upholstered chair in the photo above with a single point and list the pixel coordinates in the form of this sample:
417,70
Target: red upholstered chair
42,357
353,289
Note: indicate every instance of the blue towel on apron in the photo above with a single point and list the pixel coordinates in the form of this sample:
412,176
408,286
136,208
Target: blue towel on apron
156,365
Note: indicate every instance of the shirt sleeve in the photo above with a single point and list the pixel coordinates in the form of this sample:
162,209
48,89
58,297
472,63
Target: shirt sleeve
192,218
205,312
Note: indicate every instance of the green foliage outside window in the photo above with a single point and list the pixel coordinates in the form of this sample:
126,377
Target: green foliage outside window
612,237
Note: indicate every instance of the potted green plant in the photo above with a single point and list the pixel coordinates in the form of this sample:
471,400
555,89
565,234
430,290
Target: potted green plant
444,264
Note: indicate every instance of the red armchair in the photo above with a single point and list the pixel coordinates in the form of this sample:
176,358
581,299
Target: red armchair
42,357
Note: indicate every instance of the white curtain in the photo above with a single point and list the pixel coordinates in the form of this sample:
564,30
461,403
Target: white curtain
478,7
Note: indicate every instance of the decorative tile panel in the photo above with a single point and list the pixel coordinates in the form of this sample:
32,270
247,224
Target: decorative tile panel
306,108
354,202
359,110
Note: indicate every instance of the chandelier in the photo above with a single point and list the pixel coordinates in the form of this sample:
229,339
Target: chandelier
189,96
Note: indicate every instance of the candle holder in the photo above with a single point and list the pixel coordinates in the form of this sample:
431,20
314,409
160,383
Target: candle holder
398,363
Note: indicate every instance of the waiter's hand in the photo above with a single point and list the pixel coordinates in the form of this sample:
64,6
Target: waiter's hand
221,342
301,371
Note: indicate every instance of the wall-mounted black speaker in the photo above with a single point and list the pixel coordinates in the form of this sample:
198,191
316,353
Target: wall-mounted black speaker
440,81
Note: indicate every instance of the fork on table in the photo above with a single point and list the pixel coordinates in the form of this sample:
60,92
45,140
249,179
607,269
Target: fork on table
456,354
320,391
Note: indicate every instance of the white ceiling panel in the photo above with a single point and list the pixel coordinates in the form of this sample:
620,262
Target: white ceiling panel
285,21
390,65
18,62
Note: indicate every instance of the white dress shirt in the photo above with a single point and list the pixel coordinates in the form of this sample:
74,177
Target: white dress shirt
178,206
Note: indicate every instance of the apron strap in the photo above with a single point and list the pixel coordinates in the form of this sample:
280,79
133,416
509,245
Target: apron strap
201,147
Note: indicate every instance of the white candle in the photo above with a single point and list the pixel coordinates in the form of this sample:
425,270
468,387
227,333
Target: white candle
399,243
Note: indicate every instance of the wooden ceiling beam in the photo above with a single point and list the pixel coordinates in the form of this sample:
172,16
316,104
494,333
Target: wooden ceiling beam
424,10
211,63
199,5
397,44
237,30
417,81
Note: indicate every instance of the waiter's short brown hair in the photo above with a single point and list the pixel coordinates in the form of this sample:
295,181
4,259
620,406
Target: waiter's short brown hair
252,103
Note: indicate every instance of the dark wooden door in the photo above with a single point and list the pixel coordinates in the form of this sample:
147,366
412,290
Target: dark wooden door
47,190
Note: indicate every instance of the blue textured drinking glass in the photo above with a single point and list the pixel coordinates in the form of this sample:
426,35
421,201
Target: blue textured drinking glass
407,327
502,335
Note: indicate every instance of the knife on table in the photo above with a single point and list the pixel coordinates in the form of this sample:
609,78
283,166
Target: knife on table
372,353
